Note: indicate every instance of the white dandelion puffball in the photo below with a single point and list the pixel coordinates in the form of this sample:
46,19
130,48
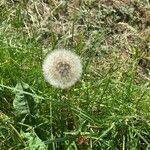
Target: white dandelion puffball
62,68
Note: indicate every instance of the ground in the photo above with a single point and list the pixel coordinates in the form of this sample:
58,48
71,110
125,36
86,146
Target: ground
109,108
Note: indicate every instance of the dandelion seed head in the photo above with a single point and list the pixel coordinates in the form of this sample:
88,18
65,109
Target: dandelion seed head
62,68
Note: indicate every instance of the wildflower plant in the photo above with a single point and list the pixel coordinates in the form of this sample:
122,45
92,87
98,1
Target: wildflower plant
62,68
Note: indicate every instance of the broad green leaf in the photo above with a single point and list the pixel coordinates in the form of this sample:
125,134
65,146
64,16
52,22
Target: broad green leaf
33,141
23,103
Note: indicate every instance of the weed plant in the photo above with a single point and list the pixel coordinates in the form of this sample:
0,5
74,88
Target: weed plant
109,108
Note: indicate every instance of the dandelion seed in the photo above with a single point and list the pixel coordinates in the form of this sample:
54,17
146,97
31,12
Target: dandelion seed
62,68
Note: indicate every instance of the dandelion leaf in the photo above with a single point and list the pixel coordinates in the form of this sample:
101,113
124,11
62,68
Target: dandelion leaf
24,102
33,141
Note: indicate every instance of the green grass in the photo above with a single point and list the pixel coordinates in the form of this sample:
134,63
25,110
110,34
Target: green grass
109,108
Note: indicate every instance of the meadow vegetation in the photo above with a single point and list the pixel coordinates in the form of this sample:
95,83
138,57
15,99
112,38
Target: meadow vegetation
109,108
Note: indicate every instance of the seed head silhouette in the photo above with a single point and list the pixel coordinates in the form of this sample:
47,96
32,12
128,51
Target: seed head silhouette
62,68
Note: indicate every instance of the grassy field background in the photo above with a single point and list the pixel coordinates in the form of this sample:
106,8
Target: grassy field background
109,108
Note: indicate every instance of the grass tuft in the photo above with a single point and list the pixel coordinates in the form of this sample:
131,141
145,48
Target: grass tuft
108,108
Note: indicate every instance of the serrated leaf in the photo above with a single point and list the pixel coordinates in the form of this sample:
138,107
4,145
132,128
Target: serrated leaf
23,103
33,141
